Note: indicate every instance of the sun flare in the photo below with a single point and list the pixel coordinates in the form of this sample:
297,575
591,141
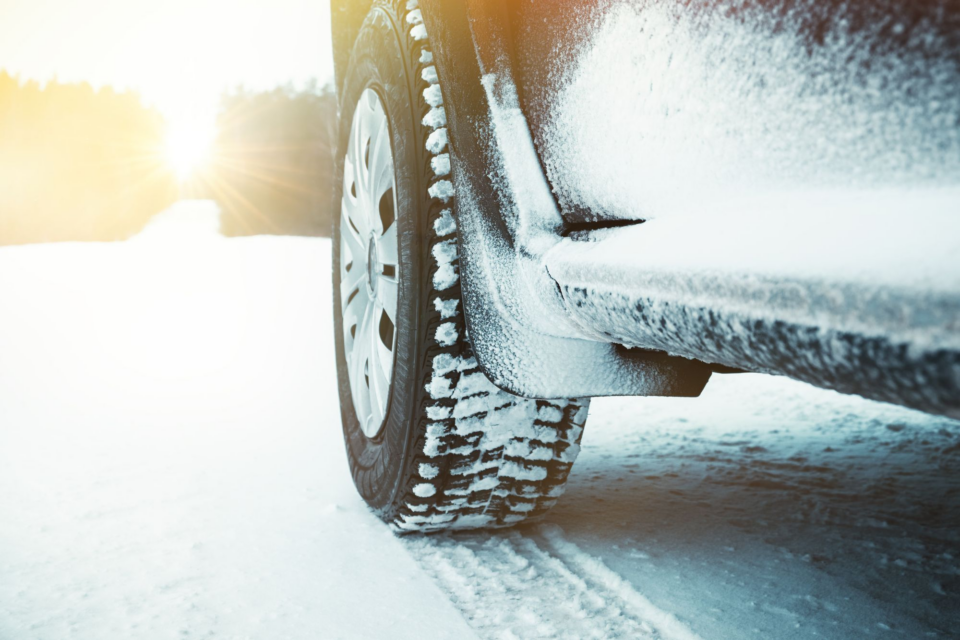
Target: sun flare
188,144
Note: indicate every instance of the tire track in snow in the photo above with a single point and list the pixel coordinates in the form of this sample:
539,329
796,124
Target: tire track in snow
511,586
596,570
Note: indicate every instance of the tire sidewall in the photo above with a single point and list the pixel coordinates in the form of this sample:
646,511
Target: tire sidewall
378,62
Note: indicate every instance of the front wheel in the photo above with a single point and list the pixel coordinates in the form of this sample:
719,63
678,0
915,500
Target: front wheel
432,443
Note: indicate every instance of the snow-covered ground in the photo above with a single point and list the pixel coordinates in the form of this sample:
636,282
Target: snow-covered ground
766,509
171,465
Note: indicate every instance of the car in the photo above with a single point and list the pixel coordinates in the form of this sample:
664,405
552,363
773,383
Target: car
543,202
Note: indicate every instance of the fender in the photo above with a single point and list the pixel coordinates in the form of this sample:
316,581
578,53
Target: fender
522,336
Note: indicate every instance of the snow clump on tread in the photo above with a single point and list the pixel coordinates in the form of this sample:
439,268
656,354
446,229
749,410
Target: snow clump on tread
489,459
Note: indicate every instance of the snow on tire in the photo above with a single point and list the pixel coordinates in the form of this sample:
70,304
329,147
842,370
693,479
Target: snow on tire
455,452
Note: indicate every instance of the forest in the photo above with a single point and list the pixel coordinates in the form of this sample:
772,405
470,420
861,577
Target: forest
273,161
85,164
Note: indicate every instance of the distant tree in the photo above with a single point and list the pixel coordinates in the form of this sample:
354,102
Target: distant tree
78,164
273,161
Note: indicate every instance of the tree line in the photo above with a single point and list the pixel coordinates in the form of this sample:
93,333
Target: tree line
78,163
273,161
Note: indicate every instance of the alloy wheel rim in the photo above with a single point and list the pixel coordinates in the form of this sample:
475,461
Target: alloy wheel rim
369,272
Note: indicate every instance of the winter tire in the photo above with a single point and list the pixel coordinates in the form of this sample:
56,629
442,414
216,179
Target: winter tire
432,443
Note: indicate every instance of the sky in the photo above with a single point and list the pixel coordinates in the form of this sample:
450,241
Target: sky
179,54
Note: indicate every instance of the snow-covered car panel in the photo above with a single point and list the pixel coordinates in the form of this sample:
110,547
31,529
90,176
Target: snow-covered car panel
642,109
548,309
508,219
864,303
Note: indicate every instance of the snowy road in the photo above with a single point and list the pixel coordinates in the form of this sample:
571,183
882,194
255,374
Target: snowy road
763,509
171,466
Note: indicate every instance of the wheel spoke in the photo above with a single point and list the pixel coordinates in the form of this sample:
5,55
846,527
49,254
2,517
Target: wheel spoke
352,282
381,170
375,125
387,289
360,392
387,246
350,240
364,329
354,305
379,382
368,125
355,150
362,355
384,358
377,409
349,183
354,210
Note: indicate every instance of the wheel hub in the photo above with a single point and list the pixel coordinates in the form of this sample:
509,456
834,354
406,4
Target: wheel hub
373,266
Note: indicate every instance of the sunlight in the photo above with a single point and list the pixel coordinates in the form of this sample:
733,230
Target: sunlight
188,145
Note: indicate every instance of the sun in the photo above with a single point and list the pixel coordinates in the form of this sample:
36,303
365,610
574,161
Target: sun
188,143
